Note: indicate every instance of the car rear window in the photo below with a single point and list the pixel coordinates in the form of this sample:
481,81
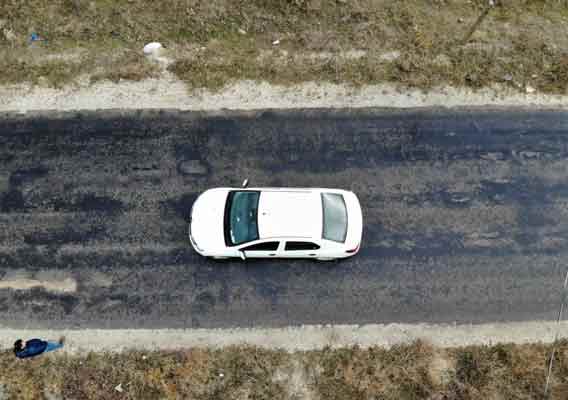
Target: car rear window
334,217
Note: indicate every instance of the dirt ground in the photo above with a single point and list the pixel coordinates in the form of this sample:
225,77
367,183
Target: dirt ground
519,44
411,371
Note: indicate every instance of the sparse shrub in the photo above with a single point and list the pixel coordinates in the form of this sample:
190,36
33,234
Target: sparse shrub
470,369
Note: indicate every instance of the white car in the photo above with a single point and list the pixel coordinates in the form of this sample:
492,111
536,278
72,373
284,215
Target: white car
323,224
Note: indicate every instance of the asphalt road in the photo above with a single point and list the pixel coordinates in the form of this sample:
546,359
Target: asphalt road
466,216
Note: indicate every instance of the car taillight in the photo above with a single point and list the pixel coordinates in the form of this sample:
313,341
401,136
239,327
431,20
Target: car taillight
353,250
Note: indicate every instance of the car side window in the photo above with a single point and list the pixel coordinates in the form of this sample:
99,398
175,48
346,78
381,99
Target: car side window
265,246
291,246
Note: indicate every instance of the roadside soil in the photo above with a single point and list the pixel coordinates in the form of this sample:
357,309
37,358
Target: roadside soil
410,371
393,361
270,53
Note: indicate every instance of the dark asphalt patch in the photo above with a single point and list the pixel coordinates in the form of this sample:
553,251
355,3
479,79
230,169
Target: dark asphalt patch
38,300
203,303
443,197
20,176
520,191
89,203
68,234
12,201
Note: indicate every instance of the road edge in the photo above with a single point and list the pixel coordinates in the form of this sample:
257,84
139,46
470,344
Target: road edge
301,338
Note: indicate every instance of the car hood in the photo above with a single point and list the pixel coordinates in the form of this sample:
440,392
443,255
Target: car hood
207,214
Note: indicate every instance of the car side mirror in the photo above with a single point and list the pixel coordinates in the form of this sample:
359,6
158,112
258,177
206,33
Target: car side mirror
243,256
245,183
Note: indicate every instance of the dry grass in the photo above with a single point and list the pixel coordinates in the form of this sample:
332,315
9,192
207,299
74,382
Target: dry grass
195,374
354,373
521,42
415,371
127,66
54,73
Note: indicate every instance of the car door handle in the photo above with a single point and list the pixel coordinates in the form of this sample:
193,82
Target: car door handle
312,254
272,254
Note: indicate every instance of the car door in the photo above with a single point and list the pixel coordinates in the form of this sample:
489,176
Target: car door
268,249
300,249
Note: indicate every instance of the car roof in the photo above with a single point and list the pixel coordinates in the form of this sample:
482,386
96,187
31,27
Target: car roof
290,213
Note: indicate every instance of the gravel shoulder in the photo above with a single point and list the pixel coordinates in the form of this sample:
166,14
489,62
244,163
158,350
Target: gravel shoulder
170,93
304,338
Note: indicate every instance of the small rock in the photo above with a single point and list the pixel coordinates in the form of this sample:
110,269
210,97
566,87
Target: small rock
153,49
276,42
119,388
48,395
156,52
493,156
529,154
42,81
456,198
508,77
530,89
221,375
144,357
354,54
534,75
314,5
443,60
242,31
9,35
460,20
390,56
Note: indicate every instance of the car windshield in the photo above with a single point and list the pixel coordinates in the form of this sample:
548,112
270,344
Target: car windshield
334,217
241,222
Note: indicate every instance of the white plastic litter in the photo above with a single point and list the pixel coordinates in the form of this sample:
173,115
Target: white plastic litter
153,48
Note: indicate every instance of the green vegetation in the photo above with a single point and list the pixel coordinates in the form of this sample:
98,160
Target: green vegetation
415,371
415,43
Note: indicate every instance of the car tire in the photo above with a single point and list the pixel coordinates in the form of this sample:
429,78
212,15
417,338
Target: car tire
219,258
325,259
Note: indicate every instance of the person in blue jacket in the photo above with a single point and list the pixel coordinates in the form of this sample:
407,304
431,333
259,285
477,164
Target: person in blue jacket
35,347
